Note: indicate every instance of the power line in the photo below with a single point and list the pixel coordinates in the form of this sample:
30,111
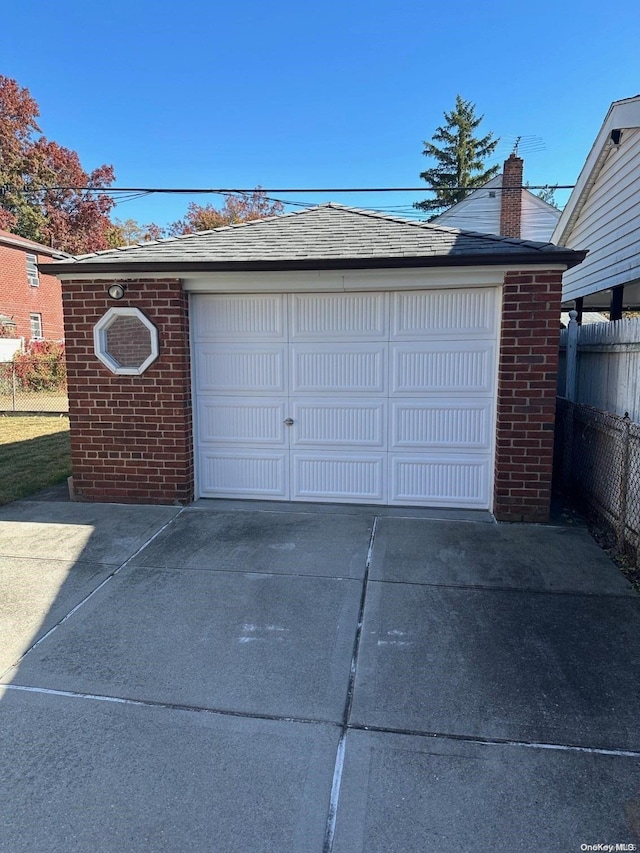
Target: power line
288,190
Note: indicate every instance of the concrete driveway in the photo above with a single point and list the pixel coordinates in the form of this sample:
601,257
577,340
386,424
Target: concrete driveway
259,677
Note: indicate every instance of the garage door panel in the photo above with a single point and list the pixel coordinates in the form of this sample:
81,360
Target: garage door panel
322,423
390,396
339,316
236,316
442,367
231,472
338,368
444,313
453,423
239,369
334,476
243,420
439,480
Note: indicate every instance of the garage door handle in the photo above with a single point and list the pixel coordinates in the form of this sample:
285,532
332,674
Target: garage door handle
288,422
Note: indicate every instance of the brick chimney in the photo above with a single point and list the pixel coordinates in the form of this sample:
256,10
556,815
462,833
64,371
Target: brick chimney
511,199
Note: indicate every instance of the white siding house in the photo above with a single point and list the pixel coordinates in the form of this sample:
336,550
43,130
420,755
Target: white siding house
481,212
603,216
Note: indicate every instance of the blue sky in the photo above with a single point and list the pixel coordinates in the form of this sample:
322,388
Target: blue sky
312,94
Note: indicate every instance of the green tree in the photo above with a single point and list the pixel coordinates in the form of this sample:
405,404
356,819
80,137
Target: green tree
461,158
548,194
129,232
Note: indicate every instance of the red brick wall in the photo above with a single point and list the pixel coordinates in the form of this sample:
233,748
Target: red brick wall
18,299
527,395
131,436
128,342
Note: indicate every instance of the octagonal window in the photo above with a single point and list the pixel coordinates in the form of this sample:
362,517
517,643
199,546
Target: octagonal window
125,341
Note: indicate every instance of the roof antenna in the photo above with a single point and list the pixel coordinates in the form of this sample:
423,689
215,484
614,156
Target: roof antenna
519,146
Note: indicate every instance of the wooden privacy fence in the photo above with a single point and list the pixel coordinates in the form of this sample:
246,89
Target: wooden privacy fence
600,366
598,425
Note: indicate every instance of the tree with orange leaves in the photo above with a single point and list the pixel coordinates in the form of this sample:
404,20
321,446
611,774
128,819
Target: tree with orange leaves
242,207
45,194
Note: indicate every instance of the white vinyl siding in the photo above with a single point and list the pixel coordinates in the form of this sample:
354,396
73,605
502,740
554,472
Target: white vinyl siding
609,224
538,219
481,212
391,396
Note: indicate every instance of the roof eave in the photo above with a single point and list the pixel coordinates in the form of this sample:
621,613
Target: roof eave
621,115
31,247
568,258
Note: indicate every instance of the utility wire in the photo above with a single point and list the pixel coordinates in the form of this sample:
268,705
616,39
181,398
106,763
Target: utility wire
250,191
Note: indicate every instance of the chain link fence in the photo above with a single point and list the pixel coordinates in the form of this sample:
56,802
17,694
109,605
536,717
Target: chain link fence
598,463
33,385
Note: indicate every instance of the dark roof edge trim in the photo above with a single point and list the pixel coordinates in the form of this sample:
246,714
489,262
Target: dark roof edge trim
569,257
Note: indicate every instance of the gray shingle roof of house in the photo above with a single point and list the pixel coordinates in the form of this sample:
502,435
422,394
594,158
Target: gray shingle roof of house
327,236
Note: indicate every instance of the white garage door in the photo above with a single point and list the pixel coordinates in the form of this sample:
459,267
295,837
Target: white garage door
358,397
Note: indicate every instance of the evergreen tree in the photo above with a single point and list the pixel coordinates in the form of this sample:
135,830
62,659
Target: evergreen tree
548,194
461,158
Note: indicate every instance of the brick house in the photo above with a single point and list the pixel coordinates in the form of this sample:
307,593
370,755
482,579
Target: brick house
331,355
29,299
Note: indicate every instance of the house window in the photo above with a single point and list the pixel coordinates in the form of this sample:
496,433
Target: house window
36,326
32,270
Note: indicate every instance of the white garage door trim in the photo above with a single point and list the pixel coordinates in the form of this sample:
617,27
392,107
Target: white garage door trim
391,394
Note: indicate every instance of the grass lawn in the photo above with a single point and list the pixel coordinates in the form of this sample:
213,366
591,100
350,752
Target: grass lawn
34,454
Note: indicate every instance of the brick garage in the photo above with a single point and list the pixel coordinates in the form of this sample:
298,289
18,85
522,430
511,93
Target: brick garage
131,436
403,301
526,403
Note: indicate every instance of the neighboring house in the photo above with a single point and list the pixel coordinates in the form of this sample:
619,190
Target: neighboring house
512,212
603,216
30,302
332,354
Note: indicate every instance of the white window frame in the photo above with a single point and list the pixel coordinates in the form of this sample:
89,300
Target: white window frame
32,270
100,340
37,318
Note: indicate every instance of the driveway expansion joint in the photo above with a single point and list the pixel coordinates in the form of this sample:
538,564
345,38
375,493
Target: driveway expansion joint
625,594
167,706
226,571
441,736
339,763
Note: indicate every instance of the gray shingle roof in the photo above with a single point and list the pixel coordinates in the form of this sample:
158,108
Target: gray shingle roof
329,235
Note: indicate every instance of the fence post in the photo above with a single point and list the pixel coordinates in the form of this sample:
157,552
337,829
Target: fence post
624,484
13,387
567,448
572,357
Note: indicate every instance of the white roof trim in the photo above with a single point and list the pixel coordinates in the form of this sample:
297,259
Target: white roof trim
624,114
